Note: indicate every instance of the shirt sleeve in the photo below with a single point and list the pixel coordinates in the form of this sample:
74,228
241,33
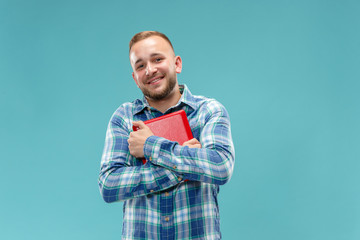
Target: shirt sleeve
213,163
119,178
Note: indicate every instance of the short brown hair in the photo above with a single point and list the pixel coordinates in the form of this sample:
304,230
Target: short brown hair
146,34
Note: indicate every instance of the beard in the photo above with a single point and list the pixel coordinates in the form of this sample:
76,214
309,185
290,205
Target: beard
170,85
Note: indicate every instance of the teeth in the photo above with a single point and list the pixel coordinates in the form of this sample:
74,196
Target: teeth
156,80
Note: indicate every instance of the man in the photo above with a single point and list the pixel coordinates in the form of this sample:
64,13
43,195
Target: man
174,194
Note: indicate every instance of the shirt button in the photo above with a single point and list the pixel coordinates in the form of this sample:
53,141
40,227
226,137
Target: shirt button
151,190
174,167
167,219
166,194
179,178
150,158
148,108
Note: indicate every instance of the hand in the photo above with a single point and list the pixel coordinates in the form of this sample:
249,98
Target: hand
192,143
137,139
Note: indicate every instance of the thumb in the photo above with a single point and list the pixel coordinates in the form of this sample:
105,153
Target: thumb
139,124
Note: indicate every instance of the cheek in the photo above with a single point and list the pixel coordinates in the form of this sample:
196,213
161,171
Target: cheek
137,79
139,76
166,67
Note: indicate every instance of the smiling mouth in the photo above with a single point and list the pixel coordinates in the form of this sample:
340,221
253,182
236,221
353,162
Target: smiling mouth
155,80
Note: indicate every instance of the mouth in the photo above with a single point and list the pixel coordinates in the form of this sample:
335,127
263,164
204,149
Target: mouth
155,80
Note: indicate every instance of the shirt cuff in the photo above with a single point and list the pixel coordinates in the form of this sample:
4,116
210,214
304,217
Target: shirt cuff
155,151
152,148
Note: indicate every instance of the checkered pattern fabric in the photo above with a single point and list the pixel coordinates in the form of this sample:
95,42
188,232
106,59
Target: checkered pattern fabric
158,203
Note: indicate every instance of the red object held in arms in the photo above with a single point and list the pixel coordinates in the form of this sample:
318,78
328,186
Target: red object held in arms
173,126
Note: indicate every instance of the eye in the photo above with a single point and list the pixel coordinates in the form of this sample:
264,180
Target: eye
140,66
158,59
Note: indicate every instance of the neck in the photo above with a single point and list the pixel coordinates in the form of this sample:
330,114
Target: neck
164,104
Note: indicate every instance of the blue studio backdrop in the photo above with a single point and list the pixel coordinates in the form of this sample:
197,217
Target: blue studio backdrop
287,71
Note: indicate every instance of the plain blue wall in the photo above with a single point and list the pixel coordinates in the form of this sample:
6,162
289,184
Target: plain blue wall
287,71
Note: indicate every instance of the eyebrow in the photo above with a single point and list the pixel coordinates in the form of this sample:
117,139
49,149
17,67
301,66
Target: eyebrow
152,55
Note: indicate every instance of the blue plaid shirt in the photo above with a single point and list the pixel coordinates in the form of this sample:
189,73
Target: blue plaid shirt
158,203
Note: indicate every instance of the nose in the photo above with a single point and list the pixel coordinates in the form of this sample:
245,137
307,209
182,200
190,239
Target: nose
150,70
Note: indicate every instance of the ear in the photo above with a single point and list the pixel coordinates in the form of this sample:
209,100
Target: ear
134,77
178,64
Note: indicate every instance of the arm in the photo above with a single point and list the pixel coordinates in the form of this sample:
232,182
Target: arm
213,163
120,177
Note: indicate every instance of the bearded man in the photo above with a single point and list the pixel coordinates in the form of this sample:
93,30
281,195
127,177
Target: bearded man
174,194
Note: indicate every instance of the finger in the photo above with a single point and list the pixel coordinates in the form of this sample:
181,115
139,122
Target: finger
139,124
195,146
131,135
186,143
192,141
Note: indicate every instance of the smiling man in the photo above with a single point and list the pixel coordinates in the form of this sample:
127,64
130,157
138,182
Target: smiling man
158,202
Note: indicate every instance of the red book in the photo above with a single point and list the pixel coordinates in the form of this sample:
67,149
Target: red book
173,126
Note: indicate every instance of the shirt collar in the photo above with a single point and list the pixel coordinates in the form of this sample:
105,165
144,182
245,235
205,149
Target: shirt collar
186,98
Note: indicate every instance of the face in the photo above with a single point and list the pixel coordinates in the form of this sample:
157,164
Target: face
155,67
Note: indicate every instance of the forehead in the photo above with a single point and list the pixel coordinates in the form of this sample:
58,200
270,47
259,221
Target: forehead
148,47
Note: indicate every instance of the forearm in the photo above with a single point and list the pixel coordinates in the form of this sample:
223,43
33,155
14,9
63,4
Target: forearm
118,183
210,165
121,175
